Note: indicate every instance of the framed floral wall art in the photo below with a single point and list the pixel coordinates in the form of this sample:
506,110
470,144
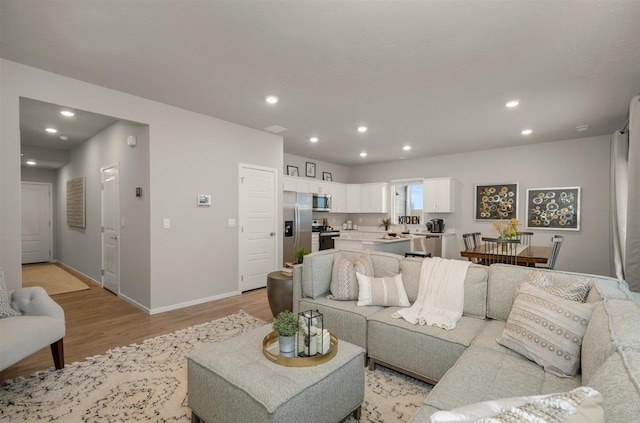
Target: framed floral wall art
553,208
496,201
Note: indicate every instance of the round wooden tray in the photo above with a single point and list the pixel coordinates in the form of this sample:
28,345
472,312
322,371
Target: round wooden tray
272,338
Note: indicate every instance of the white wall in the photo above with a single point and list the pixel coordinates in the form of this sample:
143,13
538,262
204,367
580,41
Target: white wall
81,248
580,162
190,154
338,173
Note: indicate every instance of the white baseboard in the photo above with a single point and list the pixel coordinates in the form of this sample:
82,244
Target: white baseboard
194,302
134,303
79,273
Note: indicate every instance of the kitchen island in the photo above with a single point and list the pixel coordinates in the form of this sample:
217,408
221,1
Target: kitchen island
378,243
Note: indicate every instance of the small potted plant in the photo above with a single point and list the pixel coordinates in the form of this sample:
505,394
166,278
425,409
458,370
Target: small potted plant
299,254
286,325
386,222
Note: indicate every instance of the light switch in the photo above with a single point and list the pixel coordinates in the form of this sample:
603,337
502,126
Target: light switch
122,222
232,223
166,223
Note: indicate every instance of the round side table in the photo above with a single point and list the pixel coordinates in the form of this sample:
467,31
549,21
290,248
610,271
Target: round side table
279,292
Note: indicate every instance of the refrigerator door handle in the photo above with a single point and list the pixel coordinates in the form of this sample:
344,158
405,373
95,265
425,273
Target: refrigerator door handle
296,227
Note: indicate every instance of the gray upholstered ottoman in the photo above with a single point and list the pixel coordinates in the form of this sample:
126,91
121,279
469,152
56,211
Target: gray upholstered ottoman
232,381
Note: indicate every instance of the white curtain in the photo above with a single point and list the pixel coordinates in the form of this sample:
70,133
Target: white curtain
632,249
619,190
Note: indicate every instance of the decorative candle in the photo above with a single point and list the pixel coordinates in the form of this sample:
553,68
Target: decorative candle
326,341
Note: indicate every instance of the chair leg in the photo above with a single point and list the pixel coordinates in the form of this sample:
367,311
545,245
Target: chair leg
57,350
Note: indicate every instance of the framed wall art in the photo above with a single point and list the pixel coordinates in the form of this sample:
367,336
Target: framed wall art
553,208
292,170
204,200
311,170
76,202
326,176
496,201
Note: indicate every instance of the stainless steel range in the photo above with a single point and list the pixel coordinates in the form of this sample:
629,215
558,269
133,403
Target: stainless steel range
326,233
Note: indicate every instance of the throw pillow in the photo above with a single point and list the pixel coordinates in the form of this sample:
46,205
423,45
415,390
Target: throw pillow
547,329
590,405
5,302
344,285
388,291
581,405
576,290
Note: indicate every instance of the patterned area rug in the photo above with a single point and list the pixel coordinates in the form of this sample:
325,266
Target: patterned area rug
148,382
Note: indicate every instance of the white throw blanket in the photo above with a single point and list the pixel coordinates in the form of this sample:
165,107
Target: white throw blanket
440,296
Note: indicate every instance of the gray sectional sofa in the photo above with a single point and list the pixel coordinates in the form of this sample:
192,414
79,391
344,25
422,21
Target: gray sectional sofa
466,364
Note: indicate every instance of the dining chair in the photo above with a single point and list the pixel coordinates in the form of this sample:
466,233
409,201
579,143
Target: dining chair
498,250
557,243
525,237
477,238
469,243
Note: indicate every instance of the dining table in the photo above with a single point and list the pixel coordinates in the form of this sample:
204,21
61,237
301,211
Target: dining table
529,256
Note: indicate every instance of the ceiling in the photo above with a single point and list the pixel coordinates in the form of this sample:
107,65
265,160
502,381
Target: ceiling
434,75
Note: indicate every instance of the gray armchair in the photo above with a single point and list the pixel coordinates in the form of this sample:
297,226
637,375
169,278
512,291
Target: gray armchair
40,323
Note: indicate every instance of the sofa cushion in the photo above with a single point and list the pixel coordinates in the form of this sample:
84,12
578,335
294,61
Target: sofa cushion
387,291
613,325
344,285
316,273
342,318
504,279
618,380
427,351
487,338
547,329
475,286
482,375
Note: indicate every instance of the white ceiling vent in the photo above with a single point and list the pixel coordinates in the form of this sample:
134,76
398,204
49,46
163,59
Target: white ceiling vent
275,129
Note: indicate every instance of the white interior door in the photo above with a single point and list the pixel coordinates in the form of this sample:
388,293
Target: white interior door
110,229
257,226
36,222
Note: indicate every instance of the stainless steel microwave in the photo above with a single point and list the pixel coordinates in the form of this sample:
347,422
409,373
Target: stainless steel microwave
321,202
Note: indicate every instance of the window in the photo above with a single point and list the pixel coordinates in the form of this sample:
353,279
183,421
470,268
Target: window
407,201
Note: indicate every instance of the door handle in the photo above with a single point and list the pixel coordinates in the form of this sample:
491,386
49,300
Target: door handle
114,236
272,233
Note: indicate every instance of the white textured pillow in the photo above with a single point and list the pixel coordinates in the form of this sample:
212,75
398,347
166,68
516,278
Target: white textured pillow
388,291
344,285
586,402
547,329
5,303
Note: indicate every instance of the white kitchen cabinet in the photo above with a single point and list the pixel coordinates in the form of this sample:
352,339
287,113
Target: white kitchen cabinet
374,198
438,195
319,187
315,242
293,183
353,198
338,198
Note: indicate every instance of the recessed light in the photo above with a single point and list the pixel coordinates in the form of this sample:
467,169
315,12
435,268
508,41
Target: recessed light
31,162
272,99
51,130
512,103
362,129
363,154
64,137
406,148
313,139
582,128
67,113
526,132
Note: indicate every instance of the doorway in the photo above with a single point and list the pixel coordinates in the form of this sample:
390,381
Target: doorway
37,218
110,229
258,223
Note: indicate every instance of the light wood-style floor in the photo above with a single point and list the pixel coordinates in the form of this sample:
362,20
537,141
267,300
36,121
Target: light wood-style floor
98,320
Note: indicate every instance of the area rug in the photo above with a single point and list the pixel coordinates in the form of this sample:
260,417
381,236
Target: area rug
148,382
52,278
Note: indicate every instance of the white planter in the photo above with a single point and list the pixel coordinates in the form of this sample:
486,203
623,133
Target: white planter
287,345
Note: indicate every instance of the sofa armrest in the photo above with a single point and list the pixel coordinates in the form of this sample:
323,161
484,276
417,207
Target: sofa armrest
35,302
297,287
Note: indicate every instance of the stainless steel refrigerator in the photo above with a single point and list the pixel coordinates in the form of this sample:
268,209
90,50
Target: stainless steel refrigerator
297,223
